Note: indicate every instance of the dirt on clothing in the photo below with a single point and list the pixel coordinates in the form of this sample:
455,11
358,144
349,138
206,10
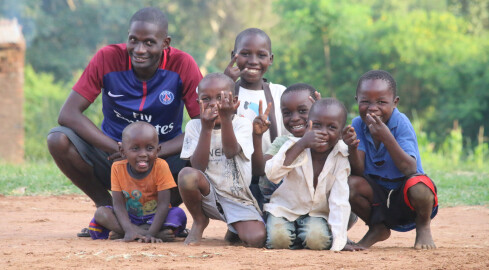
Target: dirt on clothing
40,233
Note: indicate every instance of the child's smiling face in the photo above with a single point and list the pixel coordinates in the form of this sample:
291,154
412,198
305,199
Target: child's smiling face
140,147
253,54
375,97
210,95
295,108
330,120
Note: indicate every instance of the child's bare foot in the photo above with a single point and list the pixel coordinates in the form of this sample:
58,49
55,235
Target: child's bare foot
114,235
424,240
195,235
376,233
232,238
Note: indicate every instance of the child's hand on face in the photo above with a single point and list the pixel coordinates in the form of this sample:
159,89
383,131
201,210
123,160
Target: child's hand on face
313,138
208,115
227,107
350,137
376,127
261,123
233,71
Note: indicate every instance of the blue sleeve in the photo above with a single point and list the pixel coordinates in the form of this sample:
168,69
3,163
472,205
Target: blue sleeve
357,125
406,137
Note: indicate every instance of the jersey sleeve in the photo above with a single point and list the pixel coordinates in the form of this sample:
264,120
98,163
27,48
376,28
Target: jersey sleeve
192,134
164,177
406,138
91,81
243,130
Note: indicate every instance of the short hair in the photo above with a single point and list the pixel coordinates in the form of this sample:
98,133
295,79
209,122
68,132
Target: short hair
151,15
137,125
328,102
381,75
301,87
217,76
249,32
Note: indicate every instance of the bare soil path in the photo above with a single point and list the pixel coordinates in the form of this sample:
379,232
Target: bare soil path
40,233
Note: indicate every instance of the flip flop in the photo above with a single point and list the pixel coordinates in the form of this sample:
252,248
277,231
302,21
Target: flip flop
84,233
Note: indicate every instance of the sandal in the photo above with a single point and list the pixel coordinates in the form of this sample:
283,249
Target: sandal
84,233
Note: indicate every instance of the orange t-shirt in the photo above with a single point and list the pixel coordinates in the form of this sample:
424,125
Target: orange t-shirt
141,195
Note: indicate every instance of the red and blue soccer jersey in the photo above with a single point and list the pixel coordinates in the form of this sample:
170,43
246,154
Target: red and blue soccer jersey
158,101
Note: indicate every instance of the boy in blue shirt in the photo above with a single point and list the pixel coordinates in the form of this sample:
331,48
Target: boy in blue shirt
388,188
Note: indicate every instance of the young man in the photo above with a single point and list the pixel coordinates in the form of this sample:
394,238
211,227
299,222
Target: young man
142,80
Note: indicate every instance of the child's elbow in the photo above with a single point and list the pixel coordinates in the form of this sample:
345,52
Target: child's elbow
409,169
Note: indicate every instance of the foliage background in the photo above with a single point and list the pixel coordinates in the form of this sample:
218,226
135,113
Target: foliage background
436,50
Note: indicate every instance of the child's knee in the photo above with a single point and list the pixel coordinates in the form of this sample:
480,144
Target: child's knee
280,235
255,239
188,179
316,235
420,195
354,183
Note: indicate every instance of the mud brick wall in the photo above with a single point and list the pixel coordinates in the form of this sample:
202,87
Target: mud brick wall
12,52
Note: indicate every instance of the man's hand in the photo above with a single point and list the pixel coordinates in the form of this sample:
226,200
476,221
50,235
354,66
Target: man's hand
261,123
350,137
376,127
227,107
233,71
208,116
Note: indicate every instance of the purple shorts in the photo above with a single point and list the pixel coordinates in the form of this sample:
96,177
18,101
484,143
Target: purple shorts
176,219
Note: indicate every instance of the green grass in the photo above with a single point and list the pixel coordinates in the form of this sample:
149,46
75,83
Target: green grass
38,178
44,178
461,187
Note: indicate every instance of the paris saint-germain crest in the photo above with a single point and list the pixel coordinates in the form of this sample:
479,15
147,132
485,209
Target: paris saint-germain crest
166,97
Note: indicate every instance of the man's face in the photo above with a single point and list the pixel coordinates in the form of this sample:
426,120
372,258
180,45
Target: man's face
145,45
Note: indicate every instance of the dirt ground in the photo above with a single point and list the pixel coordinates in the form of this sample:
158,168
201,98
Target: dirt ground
40,232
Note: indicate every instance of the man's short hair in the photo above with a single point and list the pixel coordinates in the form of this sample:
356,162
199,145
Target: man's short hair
151,15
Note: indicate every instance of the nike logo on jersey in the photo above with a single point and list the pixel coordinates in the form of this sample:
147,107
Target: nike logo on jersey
114,95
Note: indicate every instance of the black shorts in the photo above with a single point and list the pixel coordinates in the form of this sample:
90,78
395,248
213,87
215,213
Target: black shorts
98,159
392,206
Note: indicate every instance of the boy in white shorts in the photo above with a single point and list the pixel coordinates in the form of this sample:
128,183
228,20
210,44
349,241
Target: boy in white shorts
219,146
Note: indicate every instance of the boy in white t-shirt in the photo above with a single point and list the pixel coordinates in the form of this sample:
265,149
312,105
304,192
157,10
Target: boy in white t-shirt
219,146
252,55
